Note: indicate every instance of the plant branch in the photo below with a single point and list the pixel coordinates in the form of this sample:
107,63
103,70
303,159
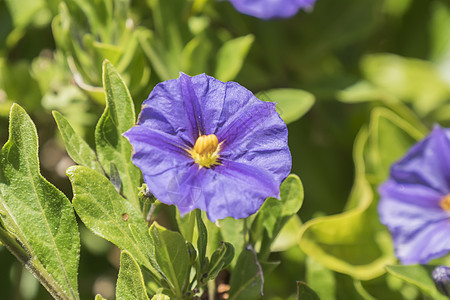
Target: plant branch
32,265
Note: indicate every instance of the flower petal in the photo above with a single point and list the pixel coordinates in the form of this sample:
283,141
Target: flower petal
165,110
406,219
231,189
257,136
191,105
427,163
429,243
410,200
269,9
411,194
254,155
159,156
412,228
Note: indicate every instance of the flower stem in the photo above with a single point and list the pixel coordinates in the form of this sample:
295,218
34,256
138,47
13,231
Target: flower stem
13,246
32,265
211,290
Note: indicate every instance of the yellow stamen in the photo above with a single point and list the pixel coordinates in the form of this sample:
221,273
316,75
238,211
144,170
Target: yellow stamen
206,151
445,202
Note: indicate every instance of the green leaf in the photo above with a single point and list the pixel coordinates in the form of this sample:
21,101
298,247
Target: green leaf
192,253
292,104
153,49
130,283
99,297
287,237
37,213
169,25
274,213
220,259
233,231
247,278
109,215
135,65
24,11
76,147
195,56
320,279
202,239
387,286
117,118
304,292
108,51
231,56
419,276
359,288
172,257
440,42
165,48
390,137
358,19
407,79
397,8
352,242
18,84
362,91
160,297
186,225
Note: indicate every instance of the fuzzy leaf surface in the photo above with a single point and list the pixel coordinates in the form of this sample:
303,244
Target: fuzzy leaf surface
34,211
130,284
117,118
76,147
109,215
172,257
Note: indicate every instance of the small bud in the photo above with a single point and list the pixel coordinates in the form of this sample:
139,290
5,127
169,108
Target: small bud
145,195
192,253
441,277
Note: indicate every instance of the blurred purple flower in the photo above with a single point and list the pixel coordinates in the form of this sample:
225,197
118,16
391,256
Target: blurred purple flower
441,278
271,9
202,143
415,200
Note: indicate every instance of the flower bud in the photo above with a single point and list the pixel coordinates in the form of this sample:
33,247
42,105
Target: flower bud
441,277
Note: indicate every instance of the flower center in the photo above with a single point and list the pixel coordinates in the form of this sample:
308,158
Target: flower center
445,202
206,151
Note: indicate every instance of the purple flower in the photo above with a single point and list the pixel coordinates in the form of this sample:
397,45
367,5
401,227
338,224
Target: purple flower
415,200
202,143
271,9
441,278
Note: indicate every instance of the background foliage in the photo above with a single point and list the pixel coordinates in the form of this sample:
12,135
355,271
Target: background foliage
358,81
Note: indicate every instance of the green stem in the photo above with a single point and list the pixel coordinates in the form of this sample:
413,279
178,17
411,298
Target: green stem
151,210
211,290
264,251
32,265
13,246
145,208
